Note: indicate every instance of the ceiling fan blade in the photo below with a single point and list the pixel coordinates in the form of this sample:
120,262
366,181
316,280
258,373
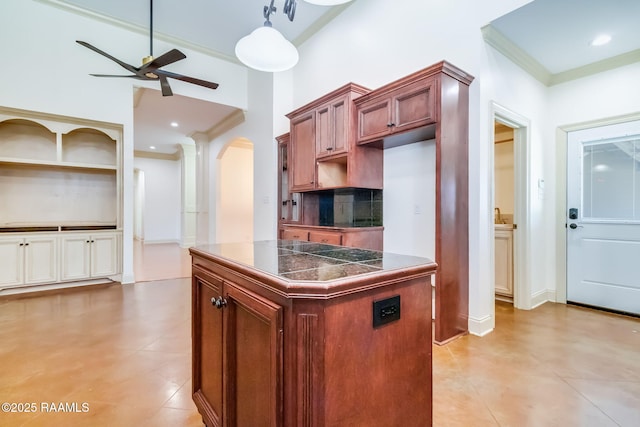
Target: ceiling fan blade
187,79
170,57
124,65
164,85
135,76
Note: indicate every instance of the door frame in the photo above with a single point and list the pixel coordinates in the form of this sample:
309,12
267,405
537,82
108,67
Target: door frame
562,140
521,240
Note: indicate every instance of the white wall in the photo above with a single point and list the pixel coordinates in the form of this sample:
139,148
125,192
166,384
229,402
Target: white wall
43,69
162,199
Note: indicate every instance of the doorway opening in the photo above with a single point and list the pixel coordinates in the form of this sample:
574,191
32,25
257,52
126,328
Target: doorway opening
516,197
234,204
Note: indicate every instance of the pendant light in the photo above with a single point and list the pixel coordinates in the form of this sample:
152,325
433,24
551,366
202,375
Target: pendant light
266,49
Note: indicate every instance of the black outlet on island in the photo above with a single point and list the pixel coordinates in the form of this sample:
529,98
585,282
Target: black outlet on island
386,311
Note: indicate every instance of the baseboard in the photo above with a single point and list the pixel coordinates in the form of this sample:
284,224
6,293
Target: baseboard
540,297
480,327
55,288
160,242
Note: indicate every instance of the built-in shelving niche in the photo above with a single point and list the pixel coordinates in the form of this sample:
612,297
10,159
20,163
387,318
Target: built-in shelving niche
66,177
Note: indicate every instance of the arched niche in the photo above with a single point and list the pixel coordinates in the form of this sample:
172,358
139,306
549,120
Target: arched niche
26,139
87,145
234,195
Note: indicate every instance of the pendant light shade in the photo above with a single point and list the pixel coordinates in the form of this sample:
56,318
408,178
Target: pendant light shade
266,49
327,2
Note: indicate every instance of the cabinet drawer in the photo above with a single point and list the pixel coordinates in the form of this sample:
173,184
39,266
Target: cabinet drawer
325,237
295,235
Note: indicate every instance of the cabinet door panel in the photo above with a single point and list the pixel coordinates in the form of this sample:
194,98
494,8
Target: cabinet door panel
373,119
413,107
41,260
253,339
104,260
207,350
303,153
76,257
340,129
324,143
11,261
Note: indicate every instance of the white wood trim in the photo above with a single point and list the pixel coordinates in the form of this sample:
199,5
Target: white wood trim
481,326
540,297
522,297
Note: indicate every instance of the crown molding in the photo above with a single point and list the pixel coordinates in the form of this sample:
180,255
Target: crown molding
157,156
513,52
87,13
502,44
229,122
596,67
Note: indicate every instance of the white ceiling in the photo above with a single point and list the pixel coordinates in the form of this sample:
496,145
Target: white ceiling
549,38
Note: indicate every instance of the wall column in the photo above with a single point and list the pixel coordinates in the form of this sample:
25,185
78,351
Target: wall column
202,188
188,209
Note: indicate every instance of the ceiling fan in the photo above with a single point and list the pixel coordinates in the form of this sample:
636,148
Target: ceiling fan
151,67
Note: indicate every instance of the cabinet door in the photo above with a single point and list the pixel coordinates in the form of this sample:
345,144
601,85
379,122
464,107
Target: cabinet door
332,127
11,261
41,260
374,119
253,359
207,349
76,257
303,153
413,106
504,262
104,255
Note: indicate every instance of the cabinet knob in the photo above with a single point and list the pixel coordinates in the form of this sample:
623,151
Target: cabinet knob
219,302
329,148
390,125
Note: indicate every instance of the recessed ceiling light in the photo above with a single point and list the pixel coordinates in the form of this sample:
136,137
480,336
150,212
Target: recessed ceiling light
174,124
601,40
153,147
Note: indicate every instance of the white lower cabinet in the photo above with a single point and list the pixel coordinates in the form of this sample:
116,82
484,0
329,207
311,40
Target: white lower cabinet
504,262
87,256
28,260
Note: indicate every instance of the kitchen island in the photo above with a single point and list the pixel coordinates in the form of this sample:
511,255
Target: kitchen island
290,333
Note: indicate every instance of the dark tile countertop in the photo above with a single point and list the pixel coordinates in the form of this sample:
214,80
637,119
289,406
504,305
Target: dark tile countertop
295,261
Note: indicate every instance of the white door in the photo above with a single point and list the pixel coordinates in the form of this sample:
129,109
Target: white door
603,217
11,261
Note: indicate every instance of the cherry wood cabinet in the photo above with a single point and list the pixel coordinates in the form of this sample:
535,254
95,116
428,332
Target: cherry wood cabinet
433,104
396,110
332,127
355,237
296,343
302,152
289,204
237,354
324,154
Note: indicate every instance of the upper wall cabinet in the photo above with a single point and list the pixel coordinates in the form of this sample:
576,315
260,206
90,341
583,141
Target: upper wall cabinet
395,110
323,152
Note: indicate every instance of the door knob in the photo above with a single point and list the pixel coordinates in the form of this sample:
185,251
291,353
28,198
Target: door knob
573,226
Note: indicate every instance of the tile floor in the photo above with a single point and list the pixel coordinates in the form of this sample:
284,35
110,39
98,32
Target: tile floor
124,352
